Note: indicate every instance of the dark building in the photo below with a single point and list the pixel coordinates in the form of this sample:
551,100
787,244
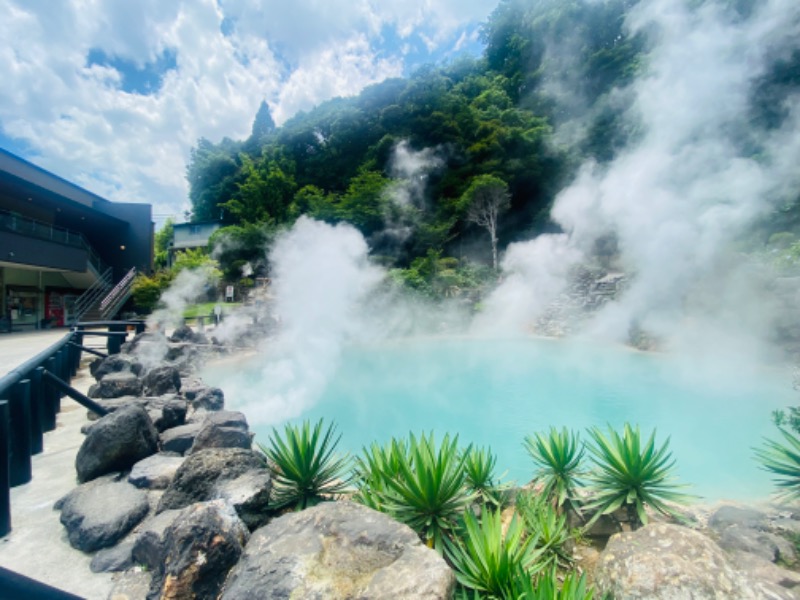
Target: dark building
65,253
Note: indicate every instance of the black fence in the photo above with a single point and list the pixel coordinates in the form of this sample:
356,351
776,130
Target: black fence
30,399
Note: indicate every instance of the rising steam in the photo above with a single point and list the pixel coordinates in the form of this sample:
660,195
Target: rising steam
677,200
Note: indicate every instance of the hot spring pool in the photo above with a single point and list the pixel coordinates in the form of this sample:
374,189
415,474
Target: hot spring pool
494,392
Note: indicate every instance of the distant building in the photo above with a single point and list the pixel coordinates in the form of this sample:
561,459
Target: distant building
188,236
65,253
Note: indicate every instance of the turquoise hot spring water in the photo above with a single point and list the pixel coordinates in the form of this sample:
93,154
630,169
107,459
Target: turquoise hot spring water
495,392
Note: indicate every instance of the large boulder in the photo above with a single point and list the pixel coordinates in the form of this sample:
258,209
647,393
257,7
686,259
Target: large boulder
114,559
116,442
155,472
168,414
205,398
114,385
200,547
115,363
148,546
233,474
223,429
161,380
338,550
98,514
667,562
184,333
180,439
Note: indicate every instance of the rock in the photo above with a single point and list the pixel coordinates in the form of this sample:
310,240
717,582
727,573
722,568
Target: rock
114,559
765,545
173,414
98,514
115,385
155,472
115,363
223,429
148,547
233,474
161,380
764,570
727,516
200,547
180,439
130,585
666,562
338,550
116,442
208,398
184,333
114,404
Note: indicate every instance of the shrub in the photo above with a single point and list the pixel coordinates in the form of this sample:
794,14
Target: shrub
558,455
428,492
632,474
491,563
548,528
479,465
783,461
304,467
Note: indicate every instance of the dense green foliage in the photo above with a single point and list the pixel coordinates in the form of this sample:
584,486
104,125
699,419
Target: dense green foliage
783,461
487,119
557,454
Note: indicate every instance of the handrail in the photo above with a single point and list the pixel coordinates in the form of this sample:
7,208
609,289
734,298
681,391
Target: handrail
90,297
44,231
118,289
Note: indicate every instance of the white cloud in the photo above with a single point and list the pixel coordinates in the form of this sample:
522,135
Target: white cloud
79,121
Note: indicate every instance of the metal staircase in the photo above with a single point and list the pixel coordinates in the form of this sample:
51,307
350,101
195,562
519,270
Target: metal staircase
102,301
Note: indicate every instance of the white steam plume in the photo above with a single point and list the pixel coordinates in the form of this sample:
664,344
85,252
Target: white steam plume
321,276
678,199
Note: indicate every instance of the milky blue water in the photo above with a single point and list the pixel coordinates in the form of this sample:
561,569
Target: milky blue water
495,392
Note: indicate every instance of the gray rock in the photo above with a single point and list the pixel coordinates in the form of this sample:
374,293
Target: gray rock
338,550
161,380
200,547
233,474
223,429
115,385
148,547
116,442
114,559
98,514
184,333
727,516
173,414
764,570
155,472
765,545
667,562
114,404
130,585
207,398
180,439
115,363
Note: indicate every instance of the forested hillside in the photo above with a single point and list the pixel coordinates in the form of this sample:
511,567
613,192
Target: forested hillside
409,161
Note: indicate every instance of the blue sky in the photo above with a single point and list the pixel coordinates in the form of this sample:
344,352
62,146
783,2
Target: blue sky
112,94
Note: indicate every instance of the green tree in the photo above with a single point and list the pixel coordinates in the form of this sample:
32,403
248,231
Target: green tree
163,241
364,204
263,124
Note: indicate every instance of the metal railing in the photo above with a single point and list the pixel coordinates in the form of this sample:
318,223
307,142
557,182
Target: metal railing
32,228
118,295
92,295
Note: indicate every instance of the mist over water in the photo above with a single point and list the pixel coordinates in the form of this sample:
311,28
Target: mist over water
676,203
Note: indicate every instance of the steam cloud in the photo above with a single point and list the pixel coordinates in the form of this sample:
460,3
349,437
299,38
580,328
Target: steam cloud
321,277
677,200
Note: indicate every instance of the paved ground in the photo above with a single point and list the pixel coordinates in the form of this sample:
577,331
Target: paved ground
37,545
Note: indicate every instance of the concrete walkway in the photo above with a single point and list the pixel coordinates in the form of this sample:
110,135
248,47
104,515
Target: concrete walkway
37,546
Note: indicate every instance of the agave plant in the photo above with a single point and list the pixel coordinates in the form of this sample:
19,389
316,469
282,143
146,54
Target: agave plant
304,467
558,455
574,587
784,462
479,465
633,474
490,563
428,493
548,527
373,468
